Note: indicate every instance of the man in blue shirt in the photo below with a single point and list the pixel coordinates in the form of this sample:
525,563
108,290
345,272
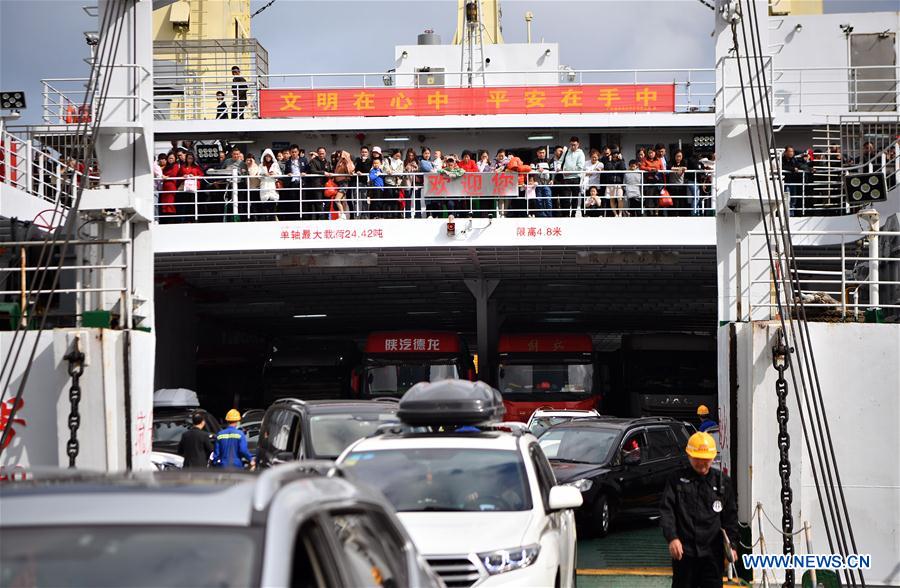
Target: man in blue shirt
231,445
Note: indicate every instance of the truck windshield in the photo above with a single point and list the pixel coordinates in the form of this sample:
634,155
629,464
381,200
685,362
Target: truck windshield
546,382
113,556
672,372
397,378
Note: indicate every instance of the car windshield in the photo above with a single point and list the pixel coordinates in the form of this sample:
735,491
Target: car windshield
397,378
445,479
541,423
578,445
546,382
331,434
117,556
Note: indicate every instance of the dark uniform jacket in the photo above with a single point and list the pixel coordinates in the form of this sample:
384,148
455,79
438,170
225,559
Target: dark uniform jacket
688,512
195,447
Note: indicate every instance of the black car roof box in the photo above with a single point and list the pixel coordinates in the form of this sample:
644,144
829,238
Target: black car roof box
451,402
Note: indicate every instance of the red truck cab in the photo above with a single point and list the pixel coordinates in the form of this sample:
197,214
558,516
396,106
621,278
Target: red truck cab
396,360
553,370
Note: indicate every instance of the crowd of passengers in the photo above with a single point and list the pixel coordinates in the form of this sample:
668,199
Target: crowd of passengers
377,184
288,184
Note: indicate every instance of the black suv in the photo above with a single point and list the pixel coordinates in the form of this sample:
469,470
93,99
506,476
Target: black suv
319,429
620,465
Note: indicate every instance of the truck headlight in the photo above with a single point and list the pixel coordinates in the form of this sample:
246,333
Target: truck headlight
583,484
507,560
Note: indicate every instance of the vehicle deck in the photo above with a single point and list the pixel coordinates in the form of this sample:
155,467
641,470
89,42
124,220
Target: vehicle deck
633,555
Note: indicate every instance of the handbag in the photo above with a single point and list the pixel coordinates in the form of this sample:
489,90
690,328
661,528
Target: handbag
665,200
190,185
330,188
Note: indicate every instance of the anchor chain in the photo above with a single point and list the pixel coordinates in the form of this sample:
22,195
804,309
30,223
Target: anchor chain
780,359
76,368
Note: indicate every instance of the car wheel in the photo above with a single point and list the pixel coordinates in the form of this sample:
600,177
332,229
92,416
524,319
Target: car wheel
602,516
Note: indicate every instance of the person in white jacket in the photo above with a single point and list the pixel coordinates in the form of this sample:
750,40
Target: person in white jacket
572,168
269,171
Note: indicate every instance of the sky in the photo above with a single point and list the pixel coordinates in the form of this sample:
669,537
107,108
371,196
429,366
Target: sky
43,38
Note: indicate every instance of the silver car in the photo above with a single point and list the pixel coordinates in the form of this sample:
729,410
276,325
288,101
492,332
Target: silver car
297,524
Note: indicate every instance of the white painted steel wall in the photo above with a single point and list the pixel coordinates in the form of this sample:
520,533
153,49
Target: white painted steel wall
376,234
860,376
41,440
819,44
541,60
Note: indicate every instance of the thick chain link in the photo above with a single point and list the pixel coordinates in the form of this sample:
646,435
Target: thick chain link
76,368
780,359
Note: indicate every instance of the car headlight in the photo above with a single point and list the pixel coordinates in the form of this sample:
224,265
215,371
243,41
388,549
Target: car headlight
583,484
507,560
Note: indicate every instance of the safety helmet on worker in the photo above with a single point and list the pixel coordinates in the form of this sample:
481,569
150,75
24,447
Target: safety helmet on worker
702,446
233,416
702,410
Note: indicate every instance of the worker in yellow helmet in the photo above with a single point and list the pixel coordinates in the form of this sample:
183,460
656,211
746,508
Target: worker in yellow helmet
231,445
706,423
696,508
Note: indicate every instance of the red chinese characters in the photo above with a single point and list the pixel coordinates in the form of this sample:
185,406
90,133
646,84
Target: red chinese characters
598,98
330,234
6,411
536,232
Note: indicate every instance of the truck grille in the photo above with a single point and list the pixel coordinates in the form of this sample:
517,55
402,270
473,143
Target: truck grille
457,571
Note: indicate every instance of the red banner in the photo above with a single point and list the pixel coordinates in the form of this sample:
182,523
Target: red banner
546,343
286,103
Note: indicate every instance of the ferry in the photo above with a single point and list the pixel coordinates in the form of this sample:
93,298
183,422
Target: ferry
663,238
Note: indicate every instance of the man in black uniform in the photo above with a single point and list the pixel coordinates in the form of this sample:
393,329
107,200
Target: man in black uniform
196,444
696,508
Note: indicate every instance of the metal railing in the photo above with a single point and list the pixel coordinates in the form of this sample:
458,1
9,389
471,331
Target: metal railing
837,282
32,168
76,270
234,197
62,98
809,90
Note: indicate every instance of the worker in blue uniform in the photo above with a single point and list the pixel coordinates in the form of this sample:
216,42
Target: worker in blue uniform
231,445
706,423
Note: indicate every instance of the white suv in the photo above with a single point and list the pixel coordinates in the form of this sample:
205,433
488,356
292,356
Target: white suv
482,505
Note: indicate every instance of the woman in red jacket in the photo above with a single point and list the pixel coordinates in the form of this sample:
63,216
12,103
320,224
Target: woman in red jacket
190,186
167,196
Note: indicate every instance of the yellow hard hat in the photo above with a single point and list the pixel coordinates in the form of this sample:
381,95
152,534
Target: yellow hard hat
702,446
233,416
702,410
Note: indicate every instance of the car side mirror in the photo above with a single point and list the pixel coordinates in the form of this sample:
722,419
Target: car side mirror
563,497
631,458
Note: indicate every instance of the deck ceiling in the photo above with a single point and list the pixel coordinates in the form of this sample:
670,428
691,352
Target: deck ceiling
549,288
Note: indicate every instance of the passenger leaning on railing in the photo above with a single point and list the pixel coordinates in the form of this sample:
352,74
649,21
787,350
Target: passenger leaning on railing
393,168
343,171
652,167
615,178
167,197
314,198
571,166
187,203
542,166
520,204
269,171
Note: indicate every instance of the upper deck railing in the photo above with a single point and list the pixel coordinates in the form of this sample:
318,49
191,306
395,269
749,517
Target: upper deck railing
795,91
